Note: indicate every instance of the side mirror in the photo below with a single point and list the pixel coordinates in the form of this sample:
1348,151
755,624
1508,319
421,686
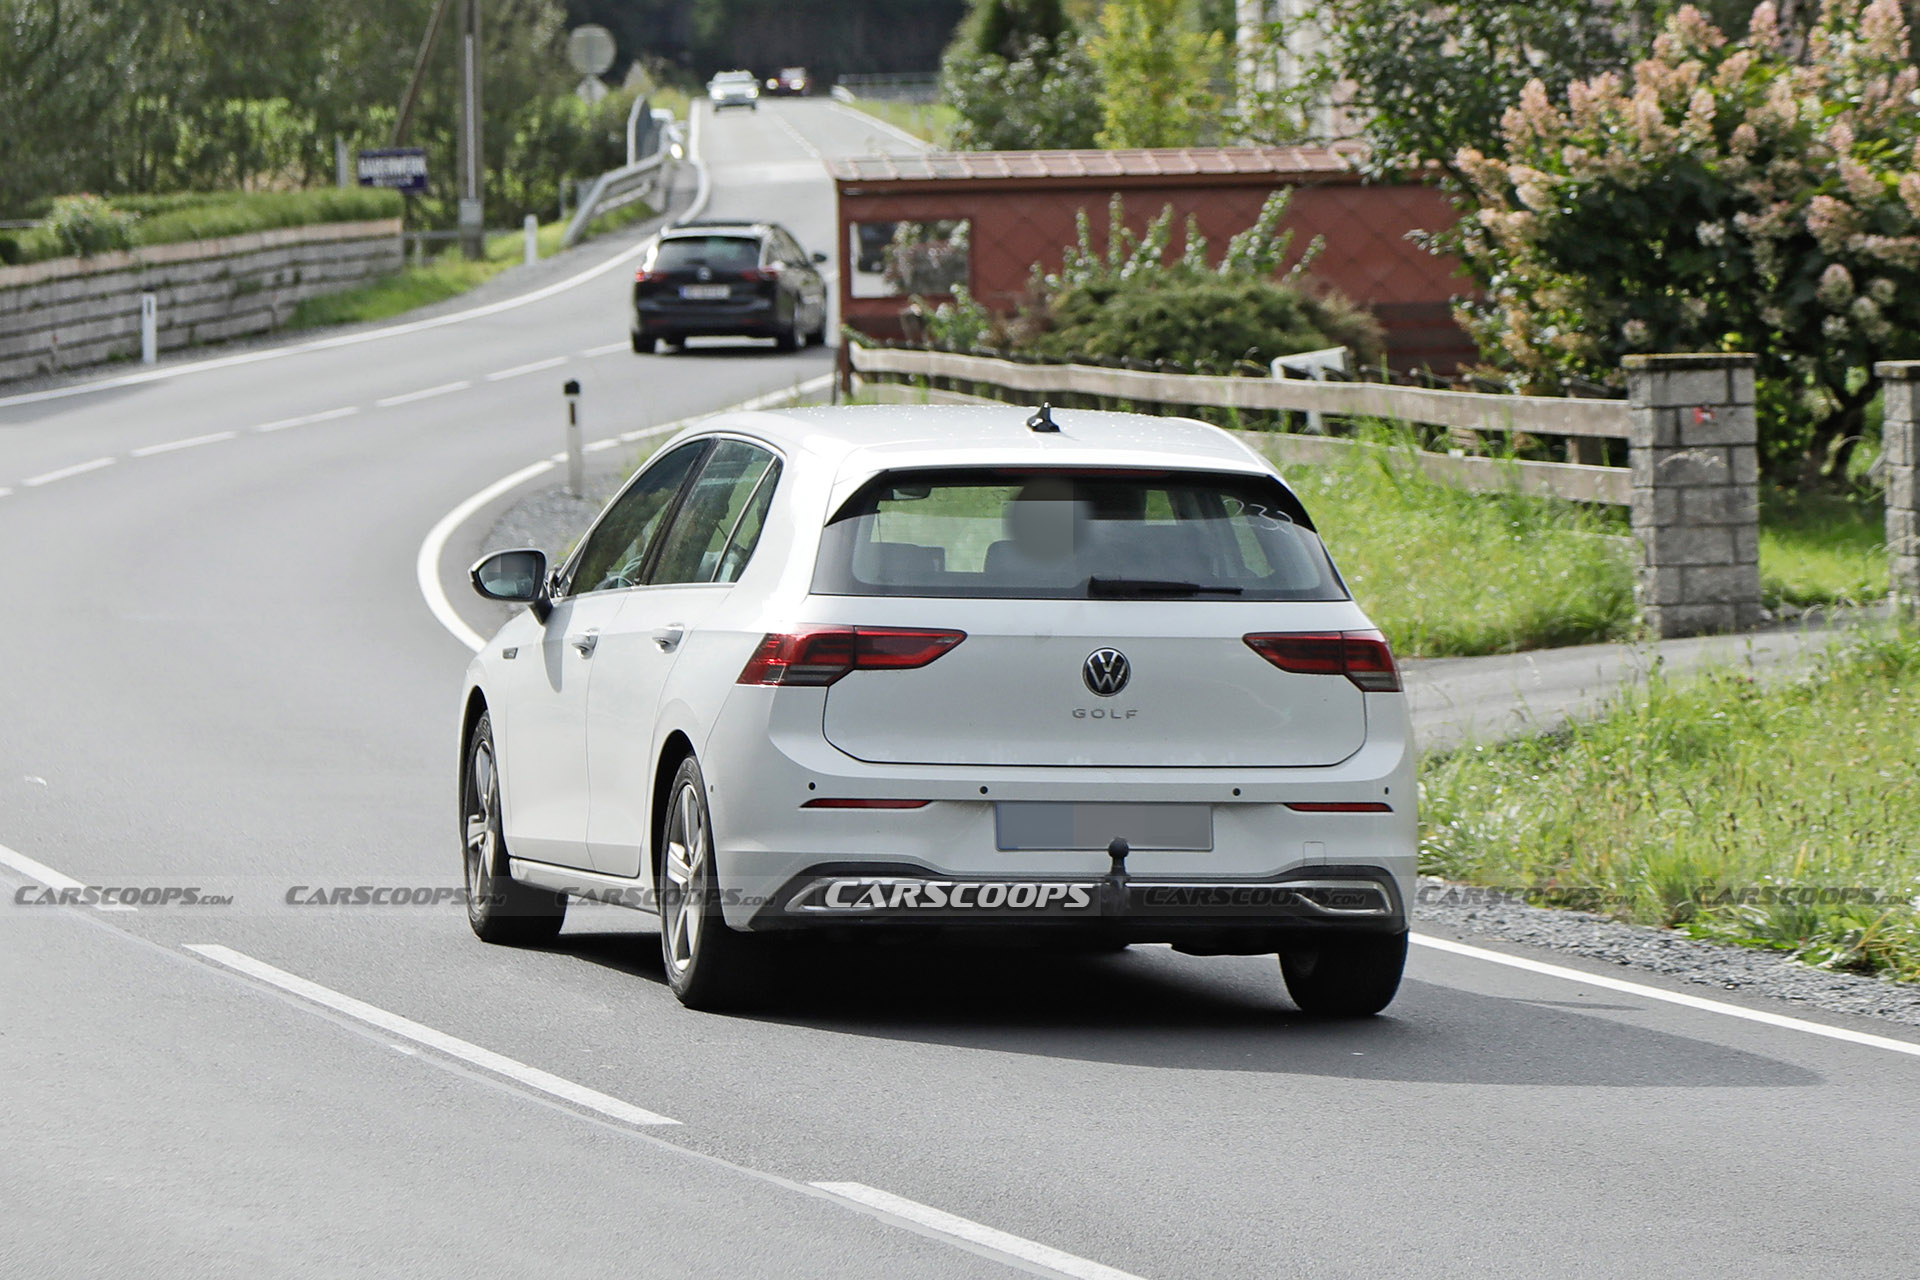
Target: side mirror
819,257
517,577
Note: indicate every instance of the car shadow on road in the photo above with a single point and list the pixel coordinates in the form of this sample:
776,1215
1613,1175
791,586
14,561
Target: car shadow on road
1149,1007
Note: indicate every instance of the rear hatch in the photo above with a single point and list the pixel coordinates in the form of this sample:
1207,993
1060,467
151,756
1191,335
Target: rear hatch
704,270
1105,616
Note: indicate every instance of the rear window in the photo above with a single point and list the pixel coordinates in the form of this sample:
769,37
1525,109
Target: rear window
719,253
1075,534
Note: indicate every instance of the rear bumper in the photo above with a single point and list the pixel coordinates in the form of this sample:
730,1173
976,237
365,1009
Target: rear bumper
766,760
752,316
1209,915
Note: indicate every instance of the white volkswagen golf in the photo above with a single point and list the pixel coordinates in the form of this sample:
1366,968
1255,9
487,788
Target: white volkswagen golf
1084,676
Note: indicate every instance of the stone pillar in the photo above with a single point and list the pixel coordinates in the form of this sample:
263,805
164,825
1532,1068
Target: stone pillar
1900,458
1696,492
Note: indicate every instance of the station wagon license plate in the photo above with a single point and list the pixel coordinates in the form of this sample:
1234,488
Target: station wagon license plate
703,292
1020,824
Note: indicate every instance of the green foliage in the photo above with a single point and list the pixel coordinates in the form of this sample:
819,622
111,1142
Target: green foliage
1041,94
1722,197
1732,807
1005,29
1156,75
86,224
1428,79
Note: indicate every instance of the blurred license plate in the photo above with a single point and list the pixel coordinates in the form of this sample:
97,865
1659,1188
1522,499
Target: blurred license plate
1049,825
703,292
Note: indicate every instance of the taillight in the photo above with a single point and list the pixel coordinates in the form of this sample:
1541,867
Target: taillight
644,276
755,275
1363,657
821,655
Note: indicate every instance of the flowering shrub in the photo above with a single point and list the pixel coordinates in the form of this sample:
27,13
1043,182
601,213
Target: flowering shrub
1722,197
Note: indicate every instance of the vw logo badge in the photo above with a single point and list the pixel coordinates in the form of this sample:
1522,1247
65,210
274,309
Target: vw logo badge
1106,672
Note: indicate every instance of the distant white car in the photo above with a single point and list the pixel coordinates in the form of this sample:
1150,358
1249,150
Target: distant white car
1087,676
734,89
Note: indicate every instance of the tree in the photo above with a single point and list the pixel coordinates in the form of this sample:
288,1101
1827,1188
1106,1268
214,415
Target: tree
1156,73
1724,196
1428,79
1018,76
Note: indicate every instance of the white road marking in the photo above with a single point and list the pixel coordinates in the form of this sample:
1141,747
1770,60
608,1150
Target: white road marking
426,565
47,876
192,443
452,1046
308,419
1669,997
609,443
594,352
445,388
79,469
535,367
326,344
799,137
875,122
974,1233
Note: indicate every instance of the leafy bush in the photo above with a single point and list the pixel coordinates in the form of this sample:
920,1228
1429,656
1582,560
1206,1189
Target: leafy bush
1726,196
86,224
1136,299
1204,324
1045,97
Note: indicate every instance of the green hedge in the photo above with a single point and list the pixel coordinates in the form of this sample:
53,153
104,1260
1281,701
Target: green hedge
170,219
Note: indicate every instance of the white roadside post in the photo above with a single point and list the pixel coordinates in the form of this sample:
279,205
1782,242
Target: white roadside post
576,462
533,239
149,328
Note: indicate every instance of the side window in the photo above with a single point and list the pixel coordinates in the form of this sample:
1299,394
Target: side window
746,530
698,538
616,550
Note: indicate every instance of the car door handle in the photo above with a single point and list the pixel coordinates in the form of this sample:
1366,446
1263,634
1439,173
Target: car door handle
586,642
669,636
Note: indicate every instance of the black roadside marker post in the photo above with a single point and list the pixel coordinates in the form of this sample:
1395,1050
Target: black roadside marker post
576,464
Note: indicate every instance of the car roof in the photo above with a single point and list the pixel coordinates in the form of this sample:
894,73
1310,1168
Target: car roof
857,441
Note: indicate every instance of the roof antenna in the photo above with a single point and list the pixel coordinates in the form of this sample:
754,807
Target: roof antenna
1043,422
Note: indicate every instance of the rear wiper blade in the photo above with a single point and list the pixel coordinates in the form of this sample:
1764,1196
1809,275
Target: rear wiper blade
1114,587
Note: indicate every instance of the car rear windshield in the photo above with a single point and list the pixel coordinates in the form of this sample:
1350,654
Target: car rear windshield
1075,534
720,253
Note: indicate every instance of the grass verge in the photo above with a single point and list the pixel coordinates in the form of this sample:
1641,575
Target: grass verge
1445,572
929,121
1781,815
447,274
202,215
1822,549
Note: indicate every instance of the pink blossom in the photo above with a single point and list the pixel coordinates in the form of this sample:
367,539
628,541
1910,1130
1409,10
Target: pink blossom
1835,290
1744,141
1883,29
1831,222
1910,192
1763,29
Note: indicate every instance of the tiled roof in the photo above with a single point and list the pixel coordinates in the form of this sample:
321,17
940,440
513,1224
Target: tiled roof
1174,163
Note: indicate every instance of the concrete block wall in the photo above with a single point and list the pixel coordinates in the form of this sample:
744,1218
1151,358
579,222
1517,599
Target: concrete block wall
73,312
1900,456
1694,453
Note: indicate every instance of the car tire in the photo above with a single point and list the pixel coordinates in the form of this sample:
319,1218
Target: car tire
499,908
643,345
818,337
675,342
787,339
1350,977
709,966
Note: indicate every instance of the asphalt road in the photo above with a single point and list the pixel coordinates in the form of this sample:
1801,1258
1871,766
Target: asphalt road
219,672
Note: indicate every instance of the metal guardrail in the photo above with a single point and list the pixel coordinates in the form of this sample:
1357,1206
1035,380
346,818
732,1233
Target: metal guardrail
907,87
1459,410
630,182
